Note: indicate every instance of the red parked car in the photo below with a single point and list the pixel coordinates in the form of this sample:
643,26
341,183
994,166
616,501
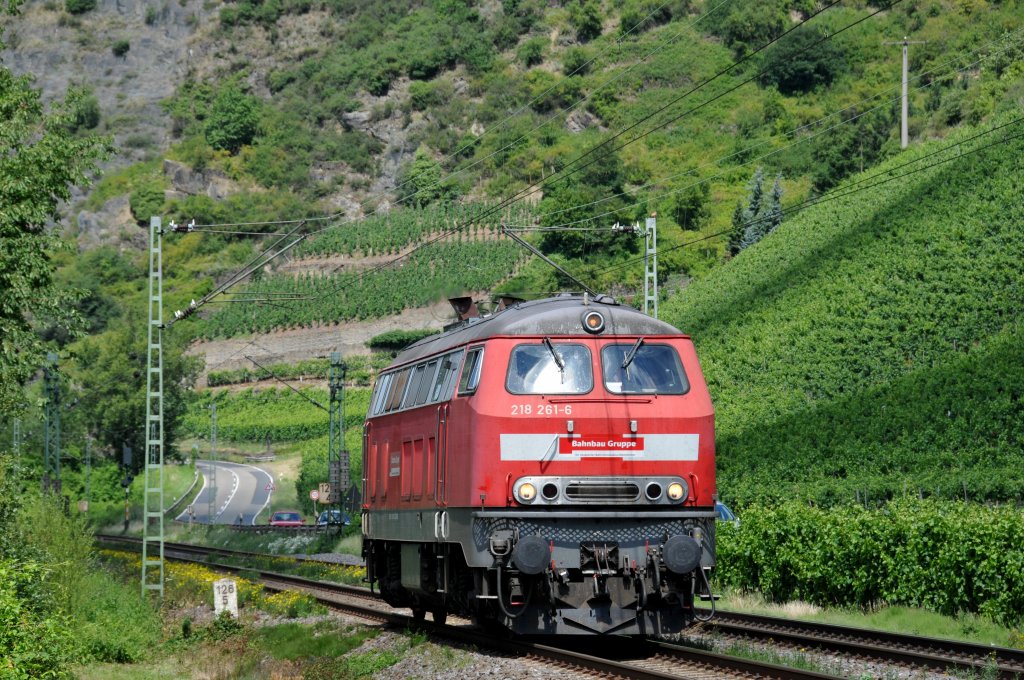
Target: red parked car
286,518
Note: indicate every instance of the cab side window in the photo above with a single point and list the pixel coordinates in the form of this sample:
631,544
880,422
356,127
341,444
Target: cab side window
471,372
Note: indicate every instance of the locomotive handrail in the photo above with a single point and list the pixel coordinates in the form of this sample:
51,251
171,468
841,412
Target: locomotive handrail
366,460
438,448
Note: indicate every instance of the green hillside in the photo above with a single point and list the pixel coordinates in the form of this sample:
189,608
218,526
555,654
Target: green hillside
873,344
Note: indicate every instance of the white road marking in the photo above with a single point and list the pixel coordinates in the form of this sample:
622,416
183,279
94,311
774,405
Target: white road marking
234,488
206,479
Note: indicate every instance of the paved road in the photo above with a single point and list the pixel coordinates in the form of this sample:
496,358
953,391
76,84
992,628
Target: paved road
241,490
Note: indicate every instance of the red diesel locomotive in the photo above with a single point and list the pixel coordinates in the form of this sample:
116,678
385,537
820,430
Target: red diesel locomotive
549,468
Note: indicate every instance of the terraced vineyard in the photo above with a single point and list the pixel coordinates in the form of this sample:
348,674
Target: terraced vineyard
471,259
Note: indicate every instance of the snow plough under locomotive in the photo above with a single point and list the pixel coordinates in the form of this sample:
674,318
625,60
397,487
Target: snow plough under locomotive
548,468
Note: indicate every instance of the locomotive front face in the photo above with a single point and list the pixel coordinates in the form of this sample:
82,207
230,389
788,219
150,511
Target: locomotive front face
573,478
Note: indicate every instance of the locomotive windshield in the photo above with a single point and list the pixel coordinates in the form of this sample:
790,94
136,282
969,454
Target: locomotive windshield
649,369
548,368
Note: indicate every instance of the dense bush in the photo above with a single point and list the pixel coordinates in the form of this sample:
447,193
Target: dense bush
747,25
945,556
233,119
396,341
146,201
79,6
120,48
57,608
802,62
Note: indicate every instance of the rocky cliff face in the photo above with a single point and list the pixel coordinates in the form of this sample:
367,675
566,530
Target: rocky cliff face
62,50
169,41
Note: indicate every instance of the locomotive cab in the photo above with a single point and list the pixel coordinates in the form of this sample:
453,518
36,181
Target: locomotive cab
562,482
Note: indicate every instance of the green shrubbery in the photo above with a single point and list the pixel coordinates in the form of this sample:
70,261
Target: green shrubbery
396,341
945,556
56,607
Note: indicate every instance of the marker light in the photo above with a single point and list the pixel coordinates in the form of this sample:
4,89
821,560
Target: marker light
593,322
675,491
527,492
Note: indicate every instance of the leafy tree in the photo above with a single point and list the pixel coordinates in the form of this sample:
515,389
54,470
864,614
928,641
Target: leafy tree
573,204
423,180
233,120
40,160
586,19
802,62
846,149
749,24
111,375
690,207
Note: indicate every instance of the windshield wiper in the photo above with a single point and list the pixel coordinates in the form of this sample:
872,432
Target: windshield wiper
558,359
631,354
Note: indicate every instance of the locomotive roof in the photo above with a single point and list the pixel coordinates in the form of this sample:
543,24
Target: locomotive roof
560,315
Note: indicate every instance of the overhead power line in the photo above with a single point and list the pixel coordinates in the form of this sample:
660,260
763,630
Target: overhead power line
855,108
855,187
569,169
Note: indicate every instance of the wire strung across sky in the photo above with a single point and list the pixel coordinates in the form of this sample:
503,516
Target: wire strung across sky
498,126
572,167
855,187
855,108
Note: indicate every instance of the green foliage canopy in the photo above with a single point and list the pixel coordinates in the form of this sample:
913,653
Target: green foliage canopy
802,62
40,160
233,120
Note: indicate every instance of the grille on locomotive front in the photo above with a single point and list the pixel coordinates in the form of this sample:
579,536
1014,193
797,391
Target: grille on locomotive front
602,492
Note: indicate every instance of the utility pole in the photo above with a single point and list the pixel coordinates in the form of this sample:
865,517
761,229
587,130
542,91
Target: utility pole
651,266
153,483
211,507
904,135
51,449
337,457
650,234
17,439
88,468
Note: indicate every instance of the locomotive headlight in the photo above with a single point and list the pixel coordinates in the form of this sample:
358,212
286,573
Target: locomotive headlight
526,492
676,491
593,322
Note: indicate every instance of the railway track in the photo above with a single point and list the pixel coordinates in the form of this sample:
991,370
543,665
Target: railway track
190,549
904,650
862,644
632,659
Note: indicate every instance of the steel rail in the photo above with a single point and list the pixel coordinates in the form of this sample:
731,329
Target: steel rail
703,663
193,549
919,652
908,650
